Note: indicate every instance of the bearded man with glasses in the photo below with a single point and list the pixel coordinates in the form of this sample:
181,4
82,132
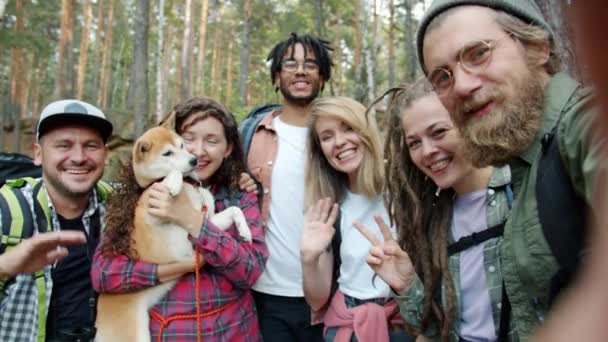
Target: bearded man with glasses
493,65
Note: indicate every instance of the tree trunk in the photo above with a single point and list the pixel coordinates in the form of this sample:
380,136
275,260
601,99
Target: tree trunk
339,68
97,54
318,17
228,99
38,78
2,6
119,75
87,12
185,88
102,95
18,74
160,77
202,40
26,77
177,82
410,50
62,73
357,42
360,37
245,52
167,55
138,80
371,63
559,20
214,62
391,44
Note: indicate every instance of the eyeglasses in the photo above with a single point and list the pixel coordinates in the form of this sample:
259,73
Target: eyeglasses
291,65
474,57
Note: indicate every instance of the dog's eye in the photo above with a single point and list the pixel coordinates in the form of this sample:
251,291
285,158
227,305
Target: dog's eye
168,153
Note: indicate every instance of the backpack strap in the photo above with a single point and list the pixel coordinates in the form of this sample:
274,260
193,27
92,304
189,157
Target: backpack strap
562,213
18,224
17,219
336,241
248,126
477,238
103,190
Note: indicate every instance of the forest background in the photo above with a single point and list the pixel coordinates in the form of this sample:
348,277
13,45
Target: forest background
136,59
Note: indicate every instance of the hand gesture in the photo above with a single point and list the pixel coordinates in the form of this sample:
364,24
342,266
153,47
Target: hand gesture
38,251
387,259
177,209
247,183
318,229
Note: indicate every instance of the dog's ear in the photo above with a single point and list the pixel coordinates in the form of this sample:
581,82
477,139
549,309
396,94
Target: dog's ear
141,148
169,122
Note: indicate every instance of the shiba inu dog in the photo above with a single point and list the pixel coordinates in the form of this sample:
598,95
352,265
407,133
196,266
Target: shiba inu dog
158,154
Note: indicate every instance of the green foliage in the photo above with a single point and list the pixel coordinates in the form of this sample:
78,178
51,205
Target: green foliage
271,21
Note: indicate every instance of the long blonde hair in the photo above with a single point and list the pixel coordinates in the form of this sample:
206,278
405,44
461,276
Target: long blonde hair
322,180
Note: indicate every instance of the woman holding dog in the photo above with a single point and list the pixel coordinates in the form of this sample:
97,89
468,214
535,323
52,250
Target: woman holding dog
345,166
220,297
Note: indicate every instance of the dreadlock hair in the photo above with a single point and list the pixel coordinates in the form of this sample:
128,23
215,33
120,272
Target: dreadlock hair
421,216
320,47
204,107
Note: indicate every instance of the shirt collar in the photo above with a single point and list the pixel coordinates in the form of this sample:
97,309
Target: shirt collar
501,176
266,122
91,207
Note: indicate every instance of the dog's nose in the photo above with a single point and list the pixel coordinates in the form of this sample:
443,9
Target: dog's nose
193,161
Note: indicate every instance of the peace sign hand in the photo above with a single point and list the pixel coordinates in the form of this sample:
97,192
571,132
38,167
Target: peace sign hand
387,259
318,229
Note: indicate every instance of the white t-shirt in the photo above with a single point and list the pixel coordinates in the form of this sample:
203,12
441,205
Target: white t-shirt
283,273
476,320
355,274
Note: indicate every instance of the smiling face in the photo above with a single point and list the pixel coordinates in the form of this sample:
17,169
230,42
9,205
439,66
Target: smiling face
434,144
300,86
341,145
497,108
206,140
72,159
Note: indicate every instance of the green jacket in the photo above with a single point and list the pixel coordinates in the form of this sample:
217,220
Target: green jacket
527,261
497,209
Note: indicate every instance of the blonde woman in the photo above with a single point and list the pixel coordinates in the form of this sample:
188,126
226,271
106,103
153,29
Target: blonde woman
345,167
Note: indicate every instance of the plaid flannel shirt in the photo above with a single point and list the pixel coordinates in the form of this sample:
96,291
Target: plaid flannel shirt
411,303
230,269
19,307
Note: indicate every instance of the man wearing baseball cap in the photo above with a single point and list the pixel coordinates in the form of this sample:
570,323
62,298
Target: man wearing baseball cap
494,67
58,302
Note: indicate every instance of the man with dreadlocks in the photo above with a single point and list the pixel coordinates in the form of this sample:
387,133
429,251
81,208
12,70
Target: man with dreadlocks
300,66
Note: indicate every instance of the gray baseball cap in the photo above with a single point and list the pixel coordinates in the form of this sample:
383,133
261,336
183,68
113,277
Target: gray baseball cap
65,112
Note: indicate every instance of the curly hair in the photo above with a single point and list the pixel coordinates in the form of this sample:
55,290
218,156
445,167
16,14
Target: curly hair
320,47
203,107
120,214
422,218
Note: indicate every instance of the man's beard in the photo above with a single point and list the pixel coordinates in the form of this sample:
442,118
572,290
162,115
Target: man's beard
301,101
505,132
67,191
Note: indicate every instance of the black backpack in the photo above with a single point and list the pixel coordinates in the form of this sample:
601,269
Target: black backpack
15,165
562,213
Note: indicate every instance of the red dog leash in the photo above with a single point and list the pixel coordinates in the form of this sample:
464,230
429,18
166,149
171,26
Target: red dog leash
164,322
